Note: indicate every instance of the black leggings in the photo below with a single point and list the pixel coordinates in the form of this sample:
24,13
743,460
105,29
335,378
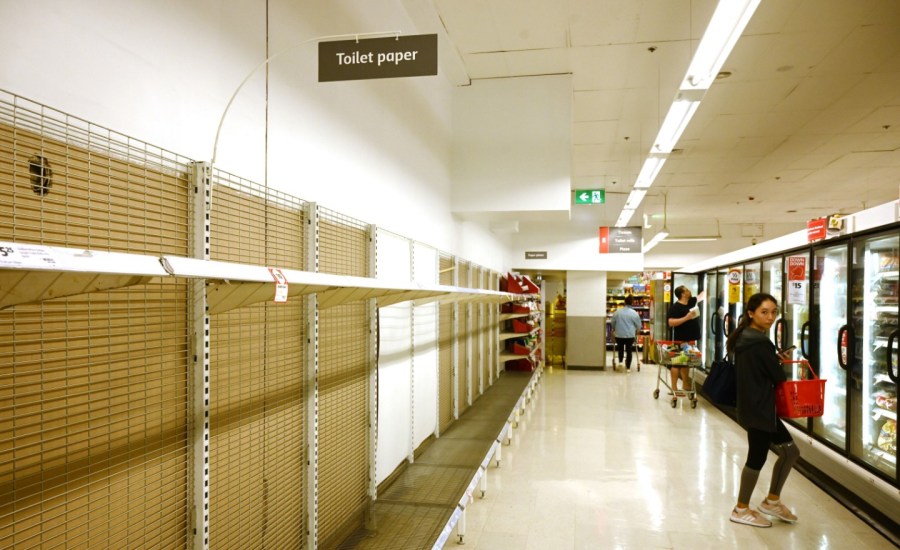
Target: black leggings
759,442
623,344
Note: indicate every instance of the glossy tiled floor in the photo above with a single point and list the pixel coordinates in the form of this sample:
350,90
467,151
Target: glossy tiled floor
597,463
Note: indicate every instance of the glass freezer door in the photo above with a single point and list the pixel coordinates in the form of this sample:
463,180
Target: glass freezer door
714,311
692,282
830,344
771,284
873,413
734,298
794,319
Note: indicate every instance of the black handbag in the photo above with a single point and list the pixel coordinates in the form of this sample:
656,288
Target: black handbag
721,383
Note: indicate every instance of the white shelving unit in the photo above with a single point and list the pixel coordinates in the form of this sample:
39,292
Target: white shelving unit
526,295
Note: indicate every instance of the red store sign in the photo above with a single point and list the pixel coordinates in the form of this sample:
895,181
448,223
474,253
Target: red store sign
816,230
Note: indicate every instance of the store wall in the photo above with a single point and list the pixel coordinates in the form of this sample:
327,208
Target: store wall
163,72
512,146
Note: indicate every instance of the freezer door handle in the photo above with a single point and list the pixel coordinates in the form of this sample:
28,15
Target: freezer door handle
725,323
713,322
804,329
844,340
890,355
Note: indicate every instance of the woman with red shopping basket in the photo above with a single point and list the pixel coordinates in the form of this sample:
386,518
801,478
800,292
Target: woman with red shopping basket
759,370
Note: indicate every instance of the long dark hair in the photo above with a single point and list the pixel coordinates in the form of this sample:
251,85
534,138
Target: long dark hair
752,303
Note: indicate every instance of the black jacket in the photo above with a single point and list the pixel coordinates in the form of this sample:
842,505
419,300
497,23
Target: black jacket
758,371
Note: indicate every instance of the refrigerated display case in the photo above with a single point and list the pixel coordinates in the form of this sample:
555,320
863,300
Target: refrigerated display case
829,357
874,310
713,312
840,305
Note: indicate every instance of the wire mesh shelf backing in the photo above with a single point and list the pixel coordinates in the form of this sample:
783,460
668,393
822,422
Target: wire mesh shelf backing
67,182
343,384
479,380
94,402
463,346
258,419
445,348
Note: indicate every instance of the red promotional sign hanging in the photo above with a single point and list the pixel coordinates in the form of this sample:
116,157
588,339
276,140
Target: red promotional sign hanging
816,230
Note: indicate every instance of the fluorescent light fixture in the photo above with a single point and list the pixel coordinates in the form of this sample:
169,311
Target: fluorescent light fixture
625,217
635,198
649,171
663,233
680,113
727,23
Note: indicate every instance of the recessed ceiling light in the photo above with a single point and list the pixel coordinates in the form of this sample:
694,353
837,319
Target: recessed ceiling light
723,74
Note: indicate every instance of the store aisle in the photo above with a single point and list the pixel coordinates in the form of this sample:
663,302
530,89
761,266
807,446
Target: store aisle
597,463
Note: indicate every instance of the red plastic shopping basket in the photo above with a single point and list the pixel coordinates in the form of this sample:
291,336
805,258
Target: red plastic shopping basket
801,398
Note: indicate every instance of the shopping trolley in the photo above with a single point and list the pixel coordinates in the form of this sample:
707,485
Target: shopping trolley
671,353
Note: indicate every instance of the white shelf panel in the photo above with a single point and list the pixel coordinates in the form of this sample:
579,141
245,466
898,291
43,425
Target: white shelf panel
232,285
509,356
32,273
237,285
508,316
510,335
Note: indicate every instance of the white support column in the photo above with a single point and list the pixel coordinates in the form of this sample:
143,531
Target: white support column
200,389
312,383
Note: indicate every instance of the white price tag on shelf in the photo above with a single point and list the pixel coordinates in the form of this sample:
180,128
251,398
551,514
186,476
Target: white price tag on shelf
27,255
281,285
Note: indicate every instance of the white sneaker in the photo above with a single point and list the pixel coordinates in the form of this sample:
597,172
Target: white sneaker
777,510
749,517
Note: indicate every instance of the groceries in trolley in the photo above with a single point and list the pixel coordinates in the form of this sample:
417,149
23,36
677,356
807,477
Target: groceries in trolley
679,353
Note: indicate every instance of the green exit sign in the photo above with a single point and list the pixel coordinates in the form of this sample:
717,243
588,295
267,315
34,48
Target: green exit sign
590,196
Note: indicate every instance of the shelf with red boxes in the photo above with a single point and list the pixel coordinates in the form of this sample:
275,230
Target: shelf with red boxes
518,284
521,334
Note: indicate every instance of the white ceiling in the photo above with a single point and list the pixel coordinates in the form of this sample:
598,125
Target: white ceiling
808,123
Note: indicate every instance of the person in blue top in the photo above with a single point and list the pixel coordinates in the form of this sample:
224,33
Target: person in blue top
758,367
625,325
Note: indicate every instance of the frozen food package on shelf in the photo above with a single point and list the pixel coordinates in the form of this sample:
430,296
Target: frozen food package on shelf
887,439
